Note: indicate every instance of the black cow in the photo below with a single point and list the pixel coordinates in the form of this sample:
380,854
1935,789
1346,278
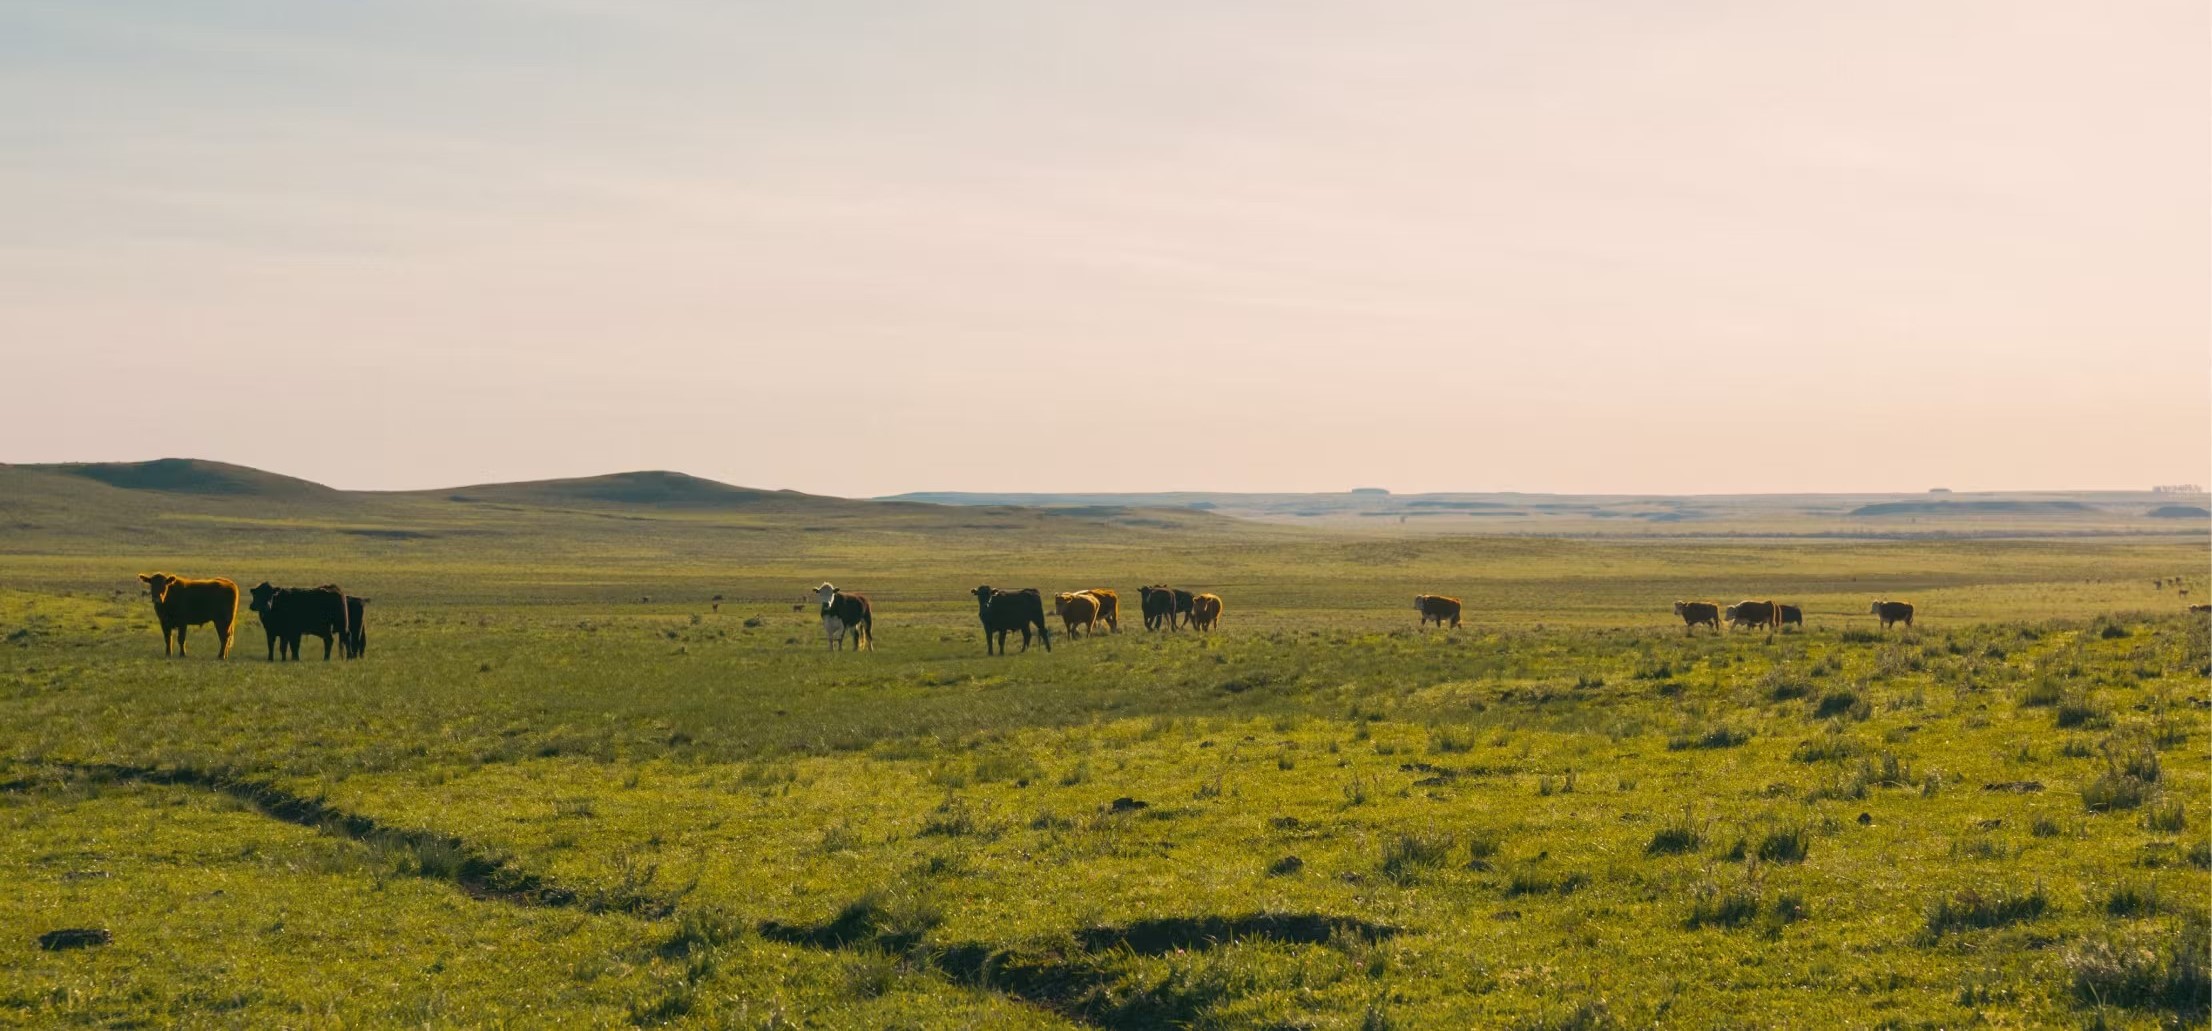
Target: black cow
1158,604
1791,614
357,638
289,613
1006,611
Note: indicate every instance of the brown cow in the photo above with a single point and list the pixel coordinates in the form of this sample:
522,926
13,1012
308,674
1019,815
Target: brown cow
1696,612
1205,611
181,604
1437,607
1109,607
1793,614
1753,613
1892,612
1076,609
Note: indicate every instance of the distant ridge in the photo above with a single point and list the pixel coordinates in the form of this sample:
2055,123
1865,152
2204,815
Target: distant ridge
190,476
658,488
1940,507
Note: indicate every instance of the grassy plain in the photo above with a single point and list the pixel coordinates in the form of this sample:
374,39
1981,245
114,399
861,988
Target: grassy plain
543,798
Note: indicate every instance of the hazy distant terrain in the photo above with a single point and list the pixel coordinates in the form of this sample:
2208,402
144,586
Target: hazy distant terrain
1873,515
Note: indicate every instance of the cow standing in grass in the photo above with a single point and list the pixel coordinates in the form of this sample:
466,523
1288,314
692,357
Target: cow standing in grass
290,613
1792,615
180,604
1076,609
1892,612
1109,607
357,634
1003,612
1694,613
1437,608
1753,614
843,611
1158,604
1205,611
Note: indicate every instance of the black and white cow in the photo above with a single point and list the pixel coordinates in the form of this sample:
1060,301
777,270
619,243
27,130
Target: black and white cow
842,611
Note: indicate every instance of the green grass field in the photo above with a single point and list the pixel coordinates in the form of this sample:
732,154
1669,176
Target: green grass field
543,798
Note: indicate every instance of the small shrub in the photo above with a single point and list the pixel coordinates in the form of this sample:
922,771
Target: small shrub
1451,740
1482,847
1678,836
1973,908
2166,819
2170,973
2045,827
1285,866
2133,898
1785,845
2081,709
1408,854
2076,748
1845,702
1833,746
2044,693
1715,906
1716,736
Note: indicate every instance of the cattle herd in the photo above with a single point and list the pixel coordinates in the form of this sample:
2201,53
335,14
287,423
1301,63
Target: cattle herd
287,614
327,612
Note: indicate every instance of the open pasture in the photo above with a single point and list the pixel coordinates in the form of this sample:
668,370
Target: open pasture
560,787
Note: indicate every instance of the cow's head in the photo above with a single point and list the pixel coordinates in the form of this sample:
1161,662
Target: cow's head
263,594
1679,606
1729,613
157,584
1421,601
825,594
1877,609
983,594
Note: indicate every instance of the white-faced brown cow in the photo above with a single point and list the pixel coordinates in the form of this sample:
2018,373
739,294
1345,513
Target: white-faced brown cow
843,611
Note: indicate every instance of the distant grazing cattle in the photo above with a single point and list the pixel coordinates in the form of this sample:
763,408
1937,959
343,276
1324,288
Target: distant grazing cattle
1696,612
1438,608
1753,613
2200,608
1076,609
1158,603
181,604
290,613
1005,611
1892,612
1109,607
1205,611
1791,614
357,634
843,611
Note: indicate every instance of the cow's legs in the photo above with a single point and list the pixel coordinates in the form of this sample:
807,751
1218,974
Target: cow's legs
272,645
326,647
180,639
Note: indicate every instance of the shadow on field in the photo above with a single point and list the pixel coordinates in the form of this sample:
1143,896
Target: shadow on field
1081,984
480,874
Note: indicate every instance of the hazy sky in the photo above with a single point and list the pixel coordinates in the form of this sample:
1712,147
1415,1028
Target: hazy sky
859,248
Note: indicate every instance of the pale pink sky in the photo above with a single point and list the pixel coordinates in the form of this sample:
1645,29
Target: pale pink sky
860,248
